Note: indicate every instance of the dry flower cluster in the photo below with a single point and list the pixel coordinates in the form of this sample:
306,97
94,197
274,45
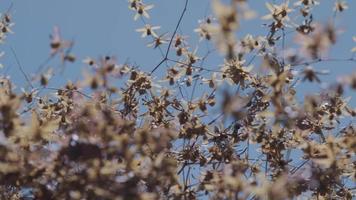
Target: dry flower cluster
244,135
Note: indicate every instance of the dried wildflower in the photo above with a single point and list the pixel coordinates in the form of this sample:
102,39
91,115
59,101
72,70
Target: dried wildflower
246,12
226,15
89,61
192,57
279,13
57,43
311,75
203,29
318,42
353,50
133,4
180,40
236,72
223,31
173,75
141,9
306,27
5,26
340,6
212,82
249,43
118,134
148,30
307,2
158,41
1,55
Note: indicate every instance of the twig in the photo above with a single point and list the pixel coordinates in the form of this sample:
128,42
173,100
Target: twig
324,60
171,40
21,68
300,166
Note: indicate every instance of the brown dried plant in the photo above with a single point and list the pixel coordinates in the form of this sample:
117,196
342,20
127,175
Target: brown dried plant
249,132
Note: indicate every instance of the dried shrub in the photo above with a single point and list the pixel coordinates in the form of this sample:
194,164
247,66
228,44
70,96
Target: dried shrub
246,134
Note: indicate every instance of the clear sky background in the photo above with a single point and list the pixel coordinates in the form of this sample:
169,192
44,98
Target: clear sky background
106,27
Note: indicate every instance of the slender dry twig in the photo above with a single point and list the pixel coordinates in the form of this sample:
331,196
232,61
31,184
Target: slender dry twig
21,68
172,37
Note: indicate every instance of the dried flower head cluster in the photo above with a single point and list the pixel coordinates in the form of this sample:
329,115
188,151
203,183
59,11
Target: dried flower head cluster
239,130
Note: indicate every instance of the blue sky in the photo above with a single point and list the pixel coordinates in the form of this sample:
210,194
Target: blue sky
107,28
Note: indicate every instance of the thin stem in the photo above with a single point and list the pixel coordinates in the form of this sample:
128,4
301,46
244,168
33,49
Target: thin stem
21,68
172,37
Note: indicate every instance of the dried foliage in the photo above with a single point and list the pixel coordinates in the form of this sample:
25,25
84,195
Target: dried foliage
248,133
